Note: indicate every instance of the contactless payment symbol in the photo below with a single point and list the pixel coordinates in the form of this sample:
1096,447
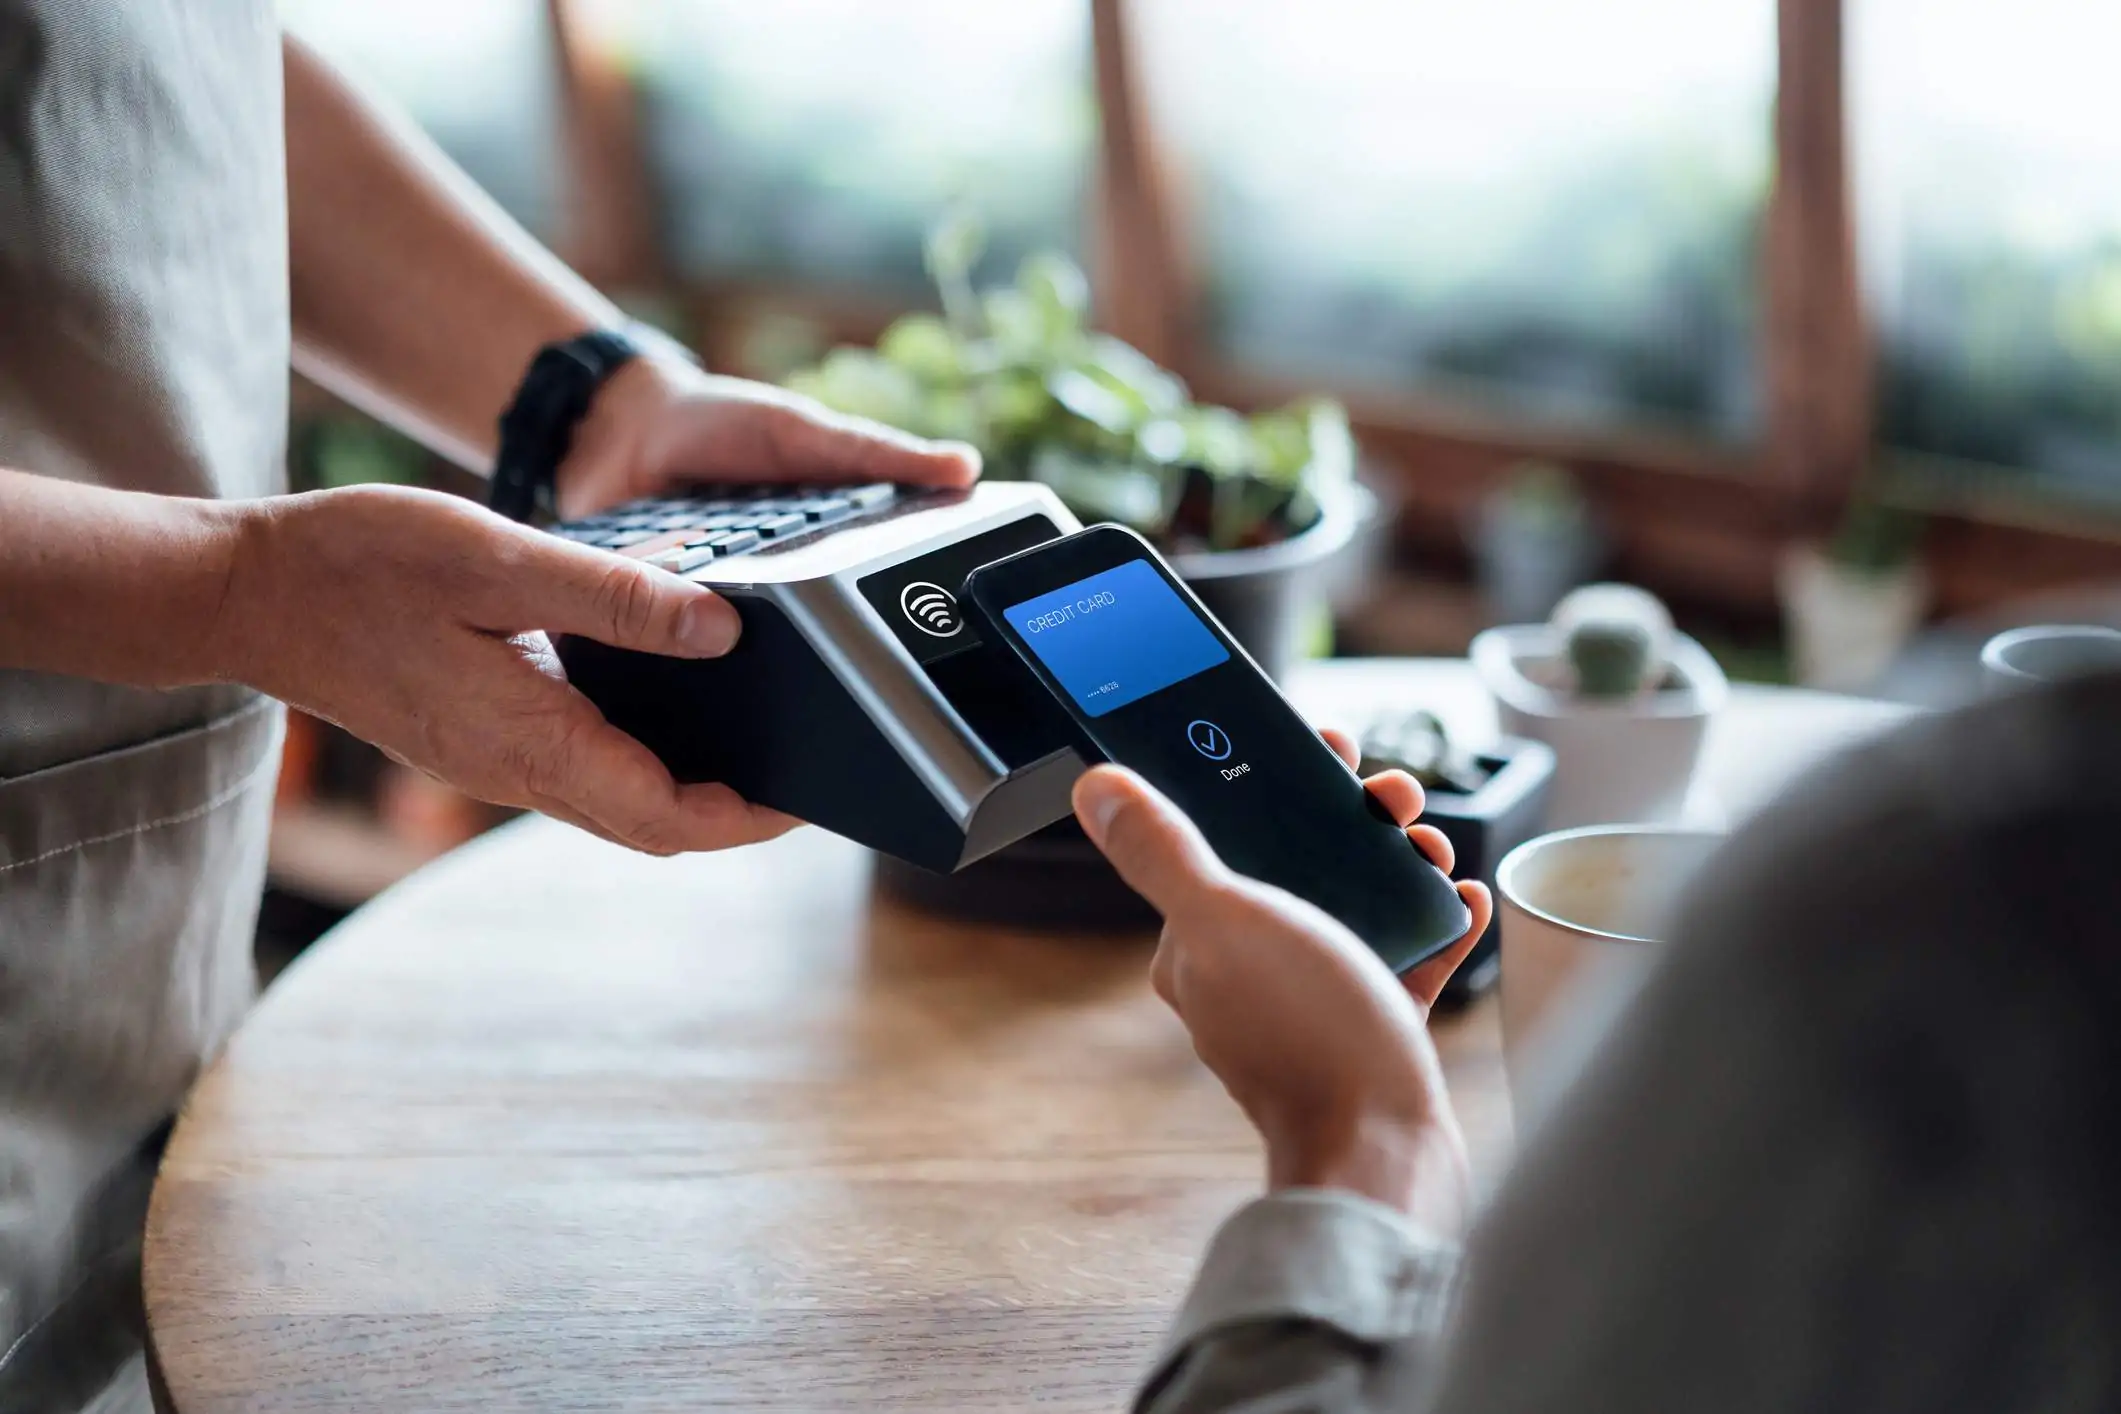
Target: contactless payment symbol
931,608
1209,740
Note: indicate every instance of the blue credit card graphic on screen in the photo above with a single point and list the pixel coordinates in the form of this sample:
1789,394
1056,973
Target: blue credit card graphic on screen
1116,637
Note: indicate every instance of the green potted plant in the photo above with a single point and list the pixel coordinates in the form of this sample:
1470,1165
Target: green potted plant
1850,604
1255,511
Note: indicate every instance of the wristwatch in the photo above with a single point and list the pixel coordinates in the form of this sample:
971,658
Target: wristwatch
538,427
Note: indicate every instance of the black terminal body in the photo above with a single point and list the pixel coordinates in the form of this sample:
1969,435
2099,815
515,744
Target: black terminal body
860,696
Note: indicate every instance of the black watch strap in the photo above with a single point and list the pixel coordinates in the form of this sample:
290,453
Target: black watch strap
538,427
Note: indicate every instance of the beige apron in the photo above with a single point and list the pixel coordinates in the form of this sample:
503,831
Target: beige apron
143,344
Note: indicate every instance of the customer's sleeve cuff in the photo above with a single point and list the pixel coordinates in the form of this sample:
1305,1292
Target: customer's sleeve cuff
1324,1256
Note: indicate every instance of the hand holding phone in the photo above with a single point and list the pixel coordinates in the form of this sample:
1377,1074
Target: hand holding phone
1329,1056
1150,680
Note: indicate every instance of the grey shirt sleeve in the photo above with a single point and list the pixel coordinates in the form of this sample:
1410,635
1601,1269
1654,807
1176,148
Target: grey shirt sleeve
1308,1300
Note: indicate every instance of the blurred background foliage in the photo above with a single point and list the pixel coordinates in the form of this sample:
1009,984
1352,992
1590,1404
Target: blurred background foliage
1539,209
1019,372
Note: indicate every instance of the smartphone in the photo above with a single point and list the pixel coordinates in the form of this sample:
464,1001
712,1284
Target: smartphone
1150,680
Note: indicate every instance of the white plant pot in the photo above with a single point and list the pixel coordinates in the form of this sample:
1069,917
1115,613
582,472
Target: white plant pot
1626,761
1846,626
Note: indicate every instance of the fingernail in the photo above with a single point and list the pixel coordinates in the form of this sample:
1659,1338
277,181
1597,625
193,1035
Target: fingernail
964,452
708,626
1098,799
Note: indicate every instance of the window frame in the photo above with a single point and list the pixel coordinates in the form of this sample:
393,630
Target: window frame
1697,520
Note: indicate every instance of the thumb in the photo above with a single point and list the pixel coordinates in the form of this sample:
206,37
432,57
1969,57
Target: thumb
569,588
1156,849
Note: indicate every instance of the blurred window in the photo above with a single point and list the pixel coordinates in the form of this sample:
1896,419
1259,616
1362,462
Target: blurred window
1988,152
1548,206
479,75
819,139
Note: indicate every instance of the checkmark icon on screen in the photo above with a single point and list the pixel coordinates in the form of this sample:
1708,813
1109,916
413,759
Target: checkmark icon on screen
1209,740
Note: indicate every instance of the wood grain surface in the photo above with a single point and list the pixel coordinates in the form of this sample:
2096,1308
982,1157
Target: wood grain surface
556,1127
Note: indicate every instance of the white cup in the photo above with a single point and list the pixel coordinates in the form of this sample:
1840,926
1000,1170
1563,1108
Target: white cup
2038,653
1582,909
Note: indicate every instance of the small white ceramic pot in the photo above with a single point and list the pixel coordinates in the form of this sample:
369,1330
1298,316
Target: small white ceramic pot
1628,760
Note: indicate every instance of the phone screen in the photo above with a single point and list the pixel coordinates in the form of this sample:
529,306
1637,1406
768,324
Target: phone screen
1154,683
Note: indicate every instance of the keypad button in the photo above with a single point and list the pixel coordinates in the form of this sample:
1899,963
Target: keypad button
822,512
687,560
736,542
